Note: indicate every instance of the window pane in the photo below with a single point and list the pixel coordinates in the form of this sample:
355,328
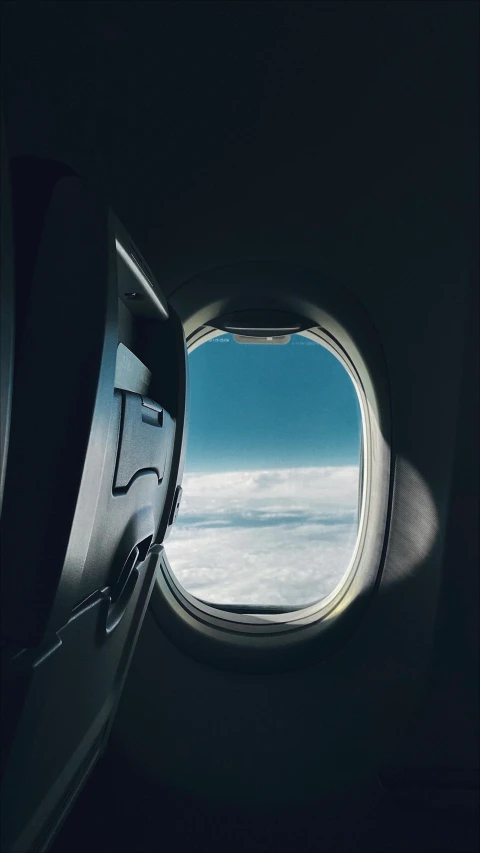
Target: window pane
269,514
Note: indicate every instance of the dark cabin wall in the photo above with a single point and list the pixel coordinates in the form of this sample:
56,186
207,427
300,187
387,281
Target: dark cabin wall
342,137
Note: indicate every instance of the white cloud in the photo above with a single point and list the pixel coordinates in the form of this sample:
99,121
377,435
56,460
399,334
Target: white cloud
281,536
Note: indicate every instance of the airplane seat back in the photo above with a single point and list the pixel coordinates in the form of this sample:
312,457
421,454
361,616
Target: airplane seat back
95,461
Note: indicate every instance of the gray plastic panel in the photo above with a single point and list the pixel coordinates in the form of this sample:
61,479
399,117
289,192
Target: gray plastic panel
142,445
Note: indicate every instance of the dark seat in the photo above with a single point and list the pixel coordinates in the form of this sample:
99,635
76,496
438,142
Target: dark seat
94,465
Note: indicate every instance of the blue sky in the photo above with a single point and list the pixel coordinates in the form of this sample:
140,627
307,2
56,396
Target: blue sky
260,406
269,513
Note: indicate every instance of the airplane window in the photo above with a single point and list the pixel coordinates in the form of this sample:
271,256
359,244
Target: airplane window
270,507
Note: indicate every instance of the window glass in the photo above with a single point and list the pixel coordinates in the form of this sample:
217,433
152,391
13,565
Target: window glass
270,506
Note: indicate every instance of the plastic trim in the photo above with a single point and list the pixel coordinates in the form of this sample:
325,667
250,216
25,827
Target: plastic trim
271,641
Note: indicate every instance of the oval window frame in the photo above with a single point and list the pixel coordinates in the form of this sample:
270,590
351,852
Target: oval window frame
271,641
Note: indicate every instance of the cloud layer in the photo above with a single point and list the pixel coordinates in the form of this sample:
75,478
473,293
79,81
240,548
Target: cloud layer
283,536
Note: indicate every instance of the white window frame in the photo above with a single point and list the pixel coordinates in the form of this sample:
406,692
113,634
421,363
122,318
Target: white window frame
241,639
284,618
